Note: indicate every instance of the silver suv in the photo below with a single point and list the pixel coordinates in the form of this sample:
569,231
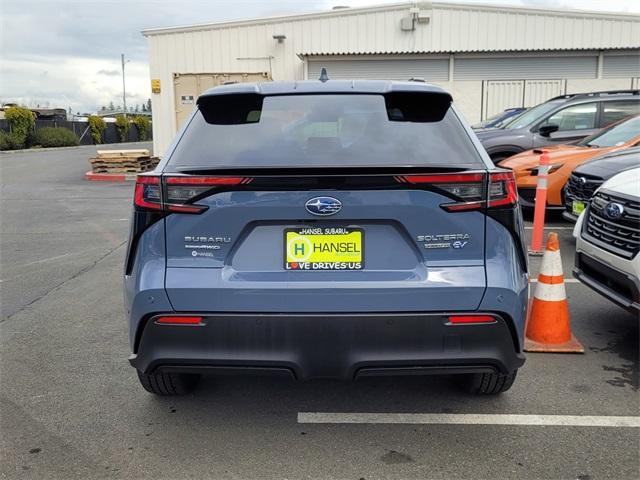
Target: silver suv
560,120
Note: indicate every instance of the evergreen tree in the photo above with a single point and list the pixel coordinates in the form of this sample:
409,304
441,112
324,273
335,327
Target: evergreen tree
111,107
148,105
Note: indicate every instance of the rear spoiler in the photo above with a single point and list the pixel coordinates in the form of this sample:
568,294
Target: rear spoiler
410,105
323,171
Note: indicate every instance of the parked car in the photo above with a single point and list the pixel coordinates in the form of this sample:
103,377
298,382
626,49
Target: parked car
565,158
562,120
333,229
608,240
586,178
499,119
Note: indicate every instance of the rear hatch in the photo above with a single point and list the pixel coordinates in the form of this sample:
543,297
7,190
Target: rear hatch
332,203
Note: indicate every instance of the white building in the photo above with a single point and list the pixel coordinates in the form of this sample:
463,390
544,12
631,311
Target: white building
488,57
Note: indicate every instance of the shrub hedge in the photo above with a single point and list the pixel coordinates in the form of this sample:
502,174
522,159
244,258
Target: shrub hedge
55,137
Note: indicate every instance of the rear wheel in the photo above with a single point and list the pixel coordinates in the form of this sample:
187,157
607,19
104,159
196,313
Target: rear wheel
168,383
490,383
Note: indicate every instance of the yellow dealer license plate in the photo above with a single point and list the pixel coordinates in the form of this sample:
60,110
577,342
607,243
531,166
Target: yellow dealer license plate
577,207
324,248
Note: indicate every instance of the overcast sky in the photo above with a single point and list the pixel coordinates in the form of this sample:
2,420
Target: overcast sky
66,53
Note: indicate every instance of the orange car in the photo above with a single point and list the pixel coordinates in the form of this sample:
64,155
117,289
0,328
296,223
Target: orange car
564,158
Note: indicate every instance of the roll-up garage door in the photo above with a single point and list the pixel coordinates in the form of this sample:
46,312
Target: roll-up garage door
525,68
621,66
432,70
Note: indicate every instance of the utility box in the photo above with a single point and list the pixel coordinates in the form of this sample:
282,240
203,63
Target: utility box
188,86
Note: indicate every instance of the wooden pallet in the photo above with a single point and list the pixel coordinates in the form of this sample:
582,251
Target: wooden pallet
132,153
123,161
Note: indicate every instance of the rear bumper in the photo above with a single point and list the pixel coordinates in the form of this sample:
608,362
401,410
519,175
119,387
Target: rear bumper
343,346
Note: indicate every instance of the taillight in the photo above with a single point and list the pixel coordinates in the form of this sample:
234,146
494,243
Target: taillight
502,190
148,194
180,193
468,189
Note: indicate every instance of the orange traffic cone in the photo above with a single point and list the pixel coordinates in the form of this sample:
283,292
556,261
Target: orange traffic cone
548,328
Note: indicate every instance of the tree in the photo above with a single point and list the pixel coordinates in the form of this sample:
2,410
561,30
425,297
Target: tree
97,128
144,107
21,122
137,108
122,127
148,105
111,106
103,108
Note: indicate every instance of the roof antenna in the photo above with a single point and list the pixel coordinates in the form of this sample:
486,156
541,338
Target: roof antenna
323,75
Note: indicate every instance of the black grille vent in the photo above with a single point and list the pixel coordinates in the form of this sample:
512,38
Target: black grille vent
581,189
620,235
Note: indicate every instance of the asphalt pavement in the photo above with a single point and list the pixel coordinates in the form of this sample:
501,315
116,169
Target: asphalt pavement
71,406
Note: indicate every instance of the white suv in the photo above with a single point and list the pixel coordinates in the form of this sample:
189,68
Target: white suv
608,240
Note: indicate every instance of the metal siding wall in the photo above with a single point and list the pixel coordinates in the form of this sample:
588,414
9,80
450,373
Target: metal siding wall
521,68
389,69
500,95
539,91
621,66
452,28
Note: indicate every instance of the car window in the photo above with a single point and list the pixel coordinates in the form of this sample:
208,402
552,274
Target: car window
530,116
575,117
324,130
615,135
615,111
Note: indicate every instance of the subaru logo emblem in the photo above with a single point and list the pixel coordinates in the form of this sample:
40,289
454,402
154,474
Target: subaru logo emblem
323,206
613,210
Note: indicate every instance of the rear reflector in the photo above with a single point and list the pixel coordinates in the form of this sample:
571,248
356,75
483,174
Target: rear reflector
461,319
176,320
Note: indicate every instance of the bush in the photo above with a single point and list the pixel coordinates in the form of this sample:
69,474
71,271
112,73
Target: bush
144,125
122,127
21,121
55,137
9,142
97,128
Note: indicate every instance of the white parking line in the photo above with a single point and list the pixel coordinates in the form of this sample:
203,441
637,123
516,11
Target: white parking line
470,419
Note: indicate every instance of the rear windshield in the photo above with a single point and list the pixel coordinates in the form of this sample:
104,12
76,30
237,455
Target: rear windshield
323,130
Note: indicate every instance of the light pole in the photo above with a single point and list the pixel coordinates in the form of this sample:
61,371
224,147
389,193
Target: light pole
124,91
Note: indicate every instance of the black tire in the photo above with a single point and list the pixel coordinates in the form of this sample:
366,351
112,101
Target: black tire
490,383
168,384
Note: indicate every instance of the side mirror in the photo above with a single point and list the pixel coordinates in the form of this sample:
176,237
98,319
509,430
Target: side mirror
547,130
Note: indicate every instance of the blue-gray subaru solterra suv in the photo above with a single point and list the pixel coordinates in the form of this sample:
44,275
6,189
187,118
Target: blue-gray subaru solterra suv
326,229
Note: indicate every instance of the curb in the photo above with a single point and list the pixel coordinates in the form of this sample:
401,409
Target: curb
110,177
